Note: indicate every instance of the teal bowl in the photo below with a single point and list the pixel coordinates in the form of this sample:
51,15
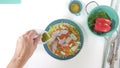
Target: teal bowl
71,23
111,13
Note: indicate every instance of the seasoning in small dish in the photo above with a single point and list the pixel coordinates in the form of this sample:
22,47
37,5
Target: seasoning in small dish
75,7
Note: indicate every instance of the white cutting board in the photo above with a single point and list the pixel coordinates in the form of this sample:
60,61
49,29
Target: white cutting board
37,14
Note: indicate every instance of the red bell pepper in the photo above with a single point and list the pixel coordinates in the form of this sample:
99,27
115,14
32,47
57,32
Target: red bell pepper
102,25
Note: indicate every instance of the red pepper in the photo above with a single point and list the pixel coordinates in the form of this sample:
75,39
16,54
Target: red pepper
103,21
102,25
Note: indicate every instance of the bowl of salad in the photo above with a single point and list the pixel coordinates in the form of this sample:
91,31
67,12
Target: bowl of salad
66,39
103,20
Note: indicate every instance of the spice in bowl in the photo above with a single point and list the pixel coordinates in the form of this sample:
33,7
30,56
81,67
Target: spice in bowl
75,7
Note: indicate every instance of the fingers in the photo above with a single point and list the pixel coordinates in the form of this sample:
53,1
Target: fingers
27,32
36,40
30,34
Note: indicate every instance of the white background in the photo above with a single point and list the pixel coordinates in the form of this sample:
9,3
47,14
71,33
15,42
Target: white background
16,19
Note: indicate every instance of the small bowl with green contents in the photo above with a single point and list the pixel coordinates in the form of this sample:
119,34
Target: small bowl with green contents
75,7
45,37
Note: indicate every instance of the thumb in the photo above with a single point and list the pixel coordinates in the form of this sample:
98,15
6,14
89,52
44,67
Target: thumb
36,40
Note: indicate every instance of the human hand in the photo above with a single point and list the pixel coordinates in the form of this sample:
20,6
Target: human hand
26,45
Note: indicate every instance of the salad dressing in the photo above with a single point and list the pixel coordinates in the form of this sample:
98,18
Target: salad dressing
75,7
45,37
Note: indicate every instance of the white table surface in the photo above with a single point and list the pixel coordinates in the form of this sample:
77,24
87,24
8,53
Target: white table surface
16,19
